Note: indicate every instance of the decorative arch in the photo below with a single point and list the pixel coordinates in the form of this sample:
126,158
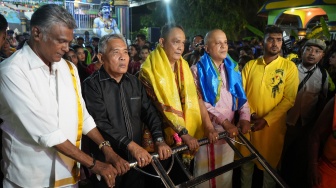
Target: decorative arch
306,10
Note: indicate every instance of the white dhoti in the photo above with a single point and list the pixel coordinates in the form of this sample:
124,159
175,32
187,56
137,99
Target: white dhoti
212,156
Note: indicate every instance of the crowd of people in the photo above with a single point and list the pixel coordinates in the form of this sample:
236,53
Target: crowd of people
73,112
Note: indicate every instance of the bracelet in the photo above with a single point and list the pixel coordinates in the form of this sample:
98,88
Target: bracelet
93,163
104,143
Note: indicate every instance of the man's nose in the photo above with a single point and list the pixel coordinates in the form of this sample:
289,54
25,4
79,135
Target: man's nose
65,47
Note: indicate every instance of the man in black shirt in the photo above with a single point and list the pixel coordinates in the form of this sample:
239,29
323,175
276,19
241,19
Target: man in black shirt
119,104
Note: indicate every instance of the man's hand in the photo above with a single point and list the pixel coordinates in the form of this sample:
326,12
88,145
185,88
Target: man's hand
212,135
191,142
230,128
141,155
259,124
244,125
119,163
107,171
163,150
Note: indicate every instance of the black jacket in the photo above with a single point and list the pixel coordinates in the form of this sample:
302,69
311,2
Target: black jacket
103,101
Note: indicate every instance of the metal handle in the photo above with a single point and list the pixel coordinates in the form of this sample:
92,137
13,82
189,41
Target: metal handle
184,147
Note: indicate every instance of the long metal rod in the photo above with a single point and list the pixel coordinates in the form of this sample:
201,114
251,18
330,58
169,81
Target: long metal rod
233,147
218,171
162,173
183,167
197,180
181,148
262,161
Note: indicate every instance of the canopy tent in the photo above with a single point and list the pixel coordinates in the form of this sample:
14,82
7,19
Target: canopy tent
10,15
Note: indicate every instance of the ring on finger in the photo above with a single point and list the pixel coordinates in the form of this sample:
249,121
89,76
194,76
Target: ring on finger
142,159
109,176
233,133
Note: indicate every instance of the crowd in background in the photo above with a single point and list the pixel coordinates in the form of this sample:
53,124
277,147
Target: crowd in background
86,57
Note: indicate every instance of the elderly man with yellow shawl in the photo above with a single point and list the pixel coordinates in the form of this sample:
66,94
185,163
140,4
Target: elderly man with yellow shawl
169,82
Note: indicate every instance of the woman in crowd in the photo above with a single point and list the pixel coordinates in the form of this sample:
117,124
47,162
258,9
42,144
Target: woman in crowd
134,64
6,50
71,56
144,52
81,65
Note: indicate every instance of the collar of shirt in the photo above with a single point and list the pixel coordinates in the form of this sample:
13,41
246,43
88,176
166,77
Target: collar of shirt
104,76
54,67
271,63
302,69
35,61
220,67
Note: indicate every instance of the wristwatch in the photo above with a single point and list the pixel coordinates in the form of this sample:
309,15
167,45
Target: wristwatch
159,140
104,143
184,131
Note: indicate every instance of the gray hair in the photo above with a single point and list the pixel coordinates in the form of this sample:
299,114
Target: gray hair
105,39
167,28
49,15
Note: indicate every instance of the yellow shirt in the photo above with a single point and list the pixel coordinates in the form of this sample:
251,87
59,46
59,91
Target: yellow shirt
271,91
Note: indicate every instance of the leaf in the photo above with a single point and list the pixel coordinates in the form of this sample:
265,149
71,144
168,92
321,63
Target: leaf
294,34
325,28
248,38
255,30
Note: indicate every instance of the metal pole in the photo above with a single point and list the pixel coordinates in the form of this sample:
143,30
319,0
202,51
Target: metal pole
262,161
181,148
184,168
233,147
162,173
218,171
197,180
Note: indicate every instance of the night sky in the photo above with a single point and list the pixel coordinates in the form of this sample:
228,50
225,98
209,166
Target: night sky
136,13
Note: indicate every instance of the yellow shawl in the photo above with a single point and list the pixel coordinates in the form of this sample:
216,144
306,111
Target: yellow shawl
177,100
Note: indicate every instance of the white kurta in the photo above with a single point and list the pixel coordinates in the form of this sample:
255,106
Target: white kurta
39,111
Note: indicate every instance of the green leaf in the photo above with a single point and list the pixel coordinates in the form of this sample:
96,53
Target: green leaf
294,34
325,28
255,30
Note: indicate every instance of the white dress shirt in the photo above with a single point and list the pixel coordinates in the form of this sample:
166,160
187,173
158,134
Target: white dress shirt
39,110
305,106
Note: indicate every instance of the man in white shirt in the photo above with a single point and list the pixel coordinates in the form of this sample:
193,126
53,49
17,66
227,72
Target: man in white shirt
301,118
43,111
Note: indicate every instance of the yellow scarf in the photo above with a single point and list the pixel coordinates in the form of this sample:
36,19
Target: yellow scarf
72,165
177,100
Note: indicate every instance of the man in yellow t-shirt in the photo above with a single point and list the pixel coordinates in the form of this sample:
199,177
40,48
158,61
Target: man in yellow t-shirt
271,84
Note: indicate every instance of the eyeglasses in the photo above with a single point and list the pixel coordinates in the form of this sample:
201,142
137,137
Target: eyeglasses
311,50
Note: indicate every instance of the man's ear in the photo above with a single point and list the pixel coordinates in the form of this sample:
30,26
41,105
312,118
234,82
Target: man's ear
206,48
161,40
100,56
36,33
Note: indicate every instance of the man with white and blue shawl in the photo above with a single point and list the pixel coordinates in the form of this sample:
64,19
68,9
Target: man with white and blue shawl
220,85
